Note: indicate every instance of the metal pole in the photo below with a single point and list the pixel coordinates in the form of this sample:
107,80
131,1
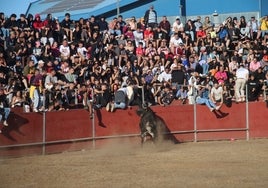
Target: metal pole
117,7
93,120
247,114
142,92
44,124
195,125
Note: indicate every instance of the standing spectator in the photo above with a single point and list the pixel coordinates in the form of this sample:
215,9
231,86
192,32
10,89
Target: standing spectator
35,88
253,88
241,78
4,107
150,17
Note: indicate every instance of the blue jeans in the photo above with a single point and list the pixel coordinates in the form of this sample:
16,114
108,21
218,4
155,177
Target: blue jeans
181,93
205,67
36,99
205,101
121,105
7,112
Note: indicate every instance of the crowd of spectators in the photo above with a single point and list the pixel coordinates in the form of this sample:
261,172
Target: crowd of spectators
52,65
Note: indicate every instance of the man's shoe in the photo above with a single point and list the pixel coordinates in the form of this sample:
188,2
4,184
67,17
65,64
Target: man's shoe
112,107
108,107
5,123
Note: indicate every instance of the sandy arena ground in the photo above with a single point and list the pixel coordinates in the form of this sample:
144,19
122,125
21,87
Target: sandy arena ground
228,164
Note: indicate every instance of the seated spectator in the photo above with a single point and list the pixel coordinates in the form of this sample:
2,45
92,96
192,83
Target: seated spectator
164,95
203,98
216,94
221,75
17,100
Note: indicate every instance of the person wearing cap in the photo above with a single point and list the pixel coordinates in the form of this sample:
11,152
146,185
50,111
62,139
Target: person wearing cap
150,17
241,78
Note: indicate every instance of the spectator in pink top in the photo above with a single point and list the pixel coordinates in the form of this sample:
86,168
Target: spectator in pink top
221,75
254,65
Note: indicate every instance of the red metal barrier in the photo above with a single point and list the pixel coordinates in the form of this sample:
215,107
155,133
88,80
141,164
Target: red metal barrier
72,130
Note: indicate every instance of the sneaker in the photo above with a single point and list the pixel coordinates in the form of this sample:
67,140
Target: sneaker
35,110
112,107
5,123
0,131
108,107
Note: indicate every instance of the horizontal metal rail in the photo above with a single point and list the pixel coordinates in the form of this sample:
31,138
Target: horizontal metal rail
115,136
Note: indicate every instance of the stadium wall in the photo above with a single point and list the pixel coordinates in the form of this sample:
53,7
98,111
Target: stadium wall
52,132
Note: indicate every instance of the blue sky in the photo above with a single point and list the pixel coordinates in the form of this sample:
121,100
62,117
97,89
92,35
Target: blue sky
14,6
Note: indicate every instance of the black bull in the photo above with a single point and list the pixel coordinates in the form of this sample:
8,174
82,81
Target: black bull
151,125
